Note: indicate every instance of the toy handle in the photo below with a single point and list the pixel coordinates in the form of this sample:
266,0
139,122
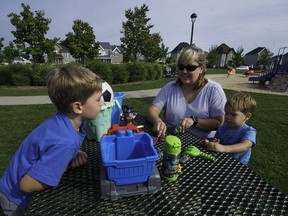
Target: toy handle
208,156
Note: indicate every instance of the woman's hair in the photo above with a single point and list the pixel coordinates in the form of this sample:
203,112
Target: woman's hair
70,84
193,54
241,102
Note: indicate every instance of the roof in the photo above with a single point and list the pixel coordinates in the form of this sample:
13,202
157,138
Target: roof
223,48
180,46
256,51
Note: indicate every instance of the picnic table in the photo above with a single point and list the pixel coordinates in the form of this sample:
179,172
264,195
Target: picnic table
224,187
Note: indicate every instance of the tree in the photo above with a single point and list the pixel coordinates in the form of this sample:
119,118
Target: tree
138,43
10,52
1,51
265,57
30,31
82,41
212,56
238,58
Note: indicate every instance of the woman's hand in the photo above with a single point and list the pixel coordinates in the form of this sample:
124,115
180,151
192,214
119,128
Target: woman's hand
160,128
185,123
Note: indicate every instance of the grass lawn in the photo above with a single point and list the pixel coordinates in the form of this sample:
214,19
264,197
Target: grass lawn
269,157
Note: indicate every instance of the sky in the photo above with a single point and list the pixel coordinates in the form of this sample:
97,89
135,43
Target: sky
246,23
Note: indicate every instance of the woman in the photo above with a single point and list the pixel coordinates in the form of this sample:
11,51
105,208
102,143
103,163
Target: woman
192,102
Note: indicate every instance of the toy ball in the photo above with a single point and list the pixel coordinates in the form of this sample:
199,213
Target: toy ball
107,94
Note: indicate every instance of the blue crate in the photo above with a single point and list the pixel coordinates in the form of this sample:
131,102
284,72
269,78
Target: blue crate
128,157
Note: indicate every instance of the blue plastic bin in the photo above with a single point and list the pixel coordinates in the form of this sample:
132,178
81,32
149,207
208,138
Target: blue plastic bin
128,157
117,107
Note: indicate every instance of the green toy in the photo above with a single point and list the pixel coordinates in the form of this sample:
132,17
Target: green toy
193,151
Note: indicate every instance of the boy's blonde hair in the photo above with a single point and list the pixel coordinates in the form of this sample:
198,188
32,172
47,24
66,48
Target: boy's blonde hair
189,54
70,84
241,102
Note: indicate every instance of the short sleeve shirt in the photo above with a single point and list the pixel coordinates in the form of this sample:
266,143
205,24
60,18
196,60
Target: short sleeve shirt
209,102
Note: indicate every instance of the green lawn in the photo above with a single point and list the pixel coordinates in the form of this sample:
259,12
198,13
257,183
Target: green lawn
269,157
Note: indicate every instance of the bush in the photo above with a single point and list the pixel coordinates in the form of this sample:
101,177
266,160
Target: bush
20,75
120,74
5,75
151,73
38,74
103,69
159,71
137,72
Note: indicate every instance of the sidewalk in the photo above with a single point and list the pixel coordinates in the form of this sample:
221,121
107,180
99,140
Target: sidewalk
28,100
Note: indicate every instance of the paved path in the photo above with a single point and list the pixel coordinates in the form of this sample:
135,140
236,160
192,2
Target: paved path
26,100
236,82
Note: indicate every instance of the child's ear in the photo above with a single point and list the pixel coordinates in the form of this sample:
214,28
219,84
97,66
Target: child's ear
77,107
248,115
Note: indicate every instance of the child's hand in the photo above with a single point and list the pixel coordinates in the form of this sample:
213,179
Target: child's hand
214,146
80,159
211,139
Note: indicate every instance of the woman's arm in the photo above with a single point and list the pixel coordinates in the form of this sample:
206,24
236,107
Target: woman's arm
153,117
203,124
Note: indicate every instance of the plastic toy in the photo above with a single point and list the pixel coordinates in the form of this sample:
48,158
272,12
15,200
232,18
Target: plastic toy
116,127
171,167
193,151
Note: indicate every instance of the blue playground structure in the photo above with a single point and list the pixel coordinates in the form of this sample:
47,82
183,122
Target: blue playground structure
277,65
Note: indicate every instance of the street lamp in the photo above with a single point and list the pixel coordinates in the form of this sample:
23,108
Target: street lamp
193,19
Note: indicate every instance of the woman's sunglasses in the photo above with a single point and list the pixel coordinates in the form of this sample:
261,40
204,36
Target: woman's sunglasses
189,68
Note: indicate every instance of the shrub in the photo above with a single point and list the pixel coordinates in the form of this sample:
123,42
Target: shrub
20,75
151,73
5,75
103,69
120,74
137,71
159,71
38,74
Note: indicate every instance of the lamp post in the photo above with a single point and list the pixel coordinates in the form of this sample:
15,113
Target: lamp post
193,19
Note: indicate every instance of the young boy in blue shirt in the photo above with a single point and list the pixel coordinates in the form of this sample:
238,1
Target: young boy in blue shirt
53,146
235,137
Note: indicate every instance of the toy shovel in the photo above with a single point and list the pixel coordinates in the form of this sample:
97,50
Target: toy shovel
193,151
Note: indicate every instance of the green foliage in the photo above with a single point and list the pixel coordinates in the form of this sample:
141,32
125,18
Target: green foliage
38,74
212,56
159,71
5,75
238,58
30,34
138,43
120,74
20,75
266,57
137,71
151,73
103,69
82,41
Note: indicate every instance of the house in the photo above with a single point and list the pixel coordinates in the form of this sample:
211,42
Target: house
62,56
253,57
225,55
110,53
175,52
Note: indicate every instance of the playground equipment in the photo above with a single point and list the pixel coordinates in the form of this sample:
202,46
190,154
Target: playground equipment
274,69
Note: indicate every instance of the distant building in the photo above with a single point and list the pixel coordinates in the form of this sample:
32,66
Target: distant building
253,57
175,52
62,56
110,53
225,55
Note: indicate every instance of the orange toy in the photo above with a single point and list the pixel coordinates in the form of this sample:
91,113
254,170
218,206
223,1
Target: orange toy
117,127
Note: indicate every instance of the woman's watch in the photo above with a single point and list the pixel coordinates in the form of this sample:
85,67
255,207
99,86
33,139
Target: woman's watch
195,120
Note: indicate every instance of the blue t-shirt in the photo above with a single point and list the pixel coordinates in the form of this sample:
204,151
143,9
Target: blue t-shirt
43,155
230,137
209,102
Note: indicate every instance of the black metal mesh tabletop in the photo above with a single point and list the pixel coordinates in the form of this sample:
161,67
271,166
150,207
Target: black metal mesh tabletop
225,187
